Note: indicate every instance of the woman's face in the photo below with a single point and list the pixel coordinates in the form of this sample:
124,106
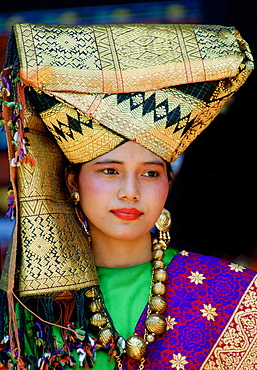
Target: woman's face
122,193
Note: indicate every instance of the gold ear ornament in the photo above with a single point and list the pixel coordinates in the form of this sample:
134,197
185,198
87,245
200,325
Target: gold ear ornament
82,218
75,197
163,224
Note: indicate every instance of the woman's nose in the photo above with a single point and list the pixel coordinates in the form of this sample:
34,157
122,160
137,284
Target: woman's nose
129,188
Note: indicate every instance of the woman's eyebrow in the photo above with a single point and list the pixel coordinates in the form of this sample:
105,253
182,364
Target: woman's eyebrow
158,163
108,161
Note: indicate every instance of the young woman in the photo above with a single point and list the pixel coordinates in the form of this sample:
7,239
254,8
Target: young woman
121,103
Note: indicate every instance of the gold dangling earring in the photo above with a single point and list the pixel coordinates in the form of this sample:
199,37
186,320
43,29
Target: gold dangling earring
75,198
163,224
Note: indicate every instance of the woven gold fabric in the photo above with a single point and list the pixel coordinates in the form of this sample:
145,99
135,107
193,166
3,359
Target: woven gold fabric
160,85
125,58
55,253
93,88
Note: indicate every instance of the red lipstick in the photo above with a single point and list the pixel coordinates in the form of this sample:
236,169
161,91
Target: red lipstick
127,214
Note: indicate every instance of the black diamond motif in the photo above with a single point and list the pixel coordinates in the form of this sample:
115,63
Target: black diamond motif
122,97
185,127
173,117
74,124
59,133
149,104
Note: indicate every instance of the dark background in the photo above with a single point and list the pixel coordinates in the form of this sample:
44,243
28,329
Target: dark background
213,200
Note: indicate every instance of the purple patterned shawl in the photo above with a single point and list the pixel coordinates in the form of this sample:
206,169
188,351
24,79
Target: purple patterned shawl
211,316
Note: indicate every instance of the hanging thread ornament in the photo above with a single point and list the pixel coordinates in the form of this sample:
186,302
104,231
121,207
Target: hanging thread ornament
155,324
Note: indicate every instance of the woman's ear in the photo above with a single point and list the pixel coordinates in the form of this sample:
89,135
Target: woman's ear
171,177
71,180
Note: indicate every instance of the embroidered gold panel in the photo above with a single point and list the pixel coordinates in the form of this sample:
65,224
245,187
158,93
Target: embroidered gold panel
55,255
160,85
236,348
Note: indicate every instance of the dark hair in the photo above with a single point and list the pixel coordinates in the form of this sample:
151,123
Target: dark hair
75,168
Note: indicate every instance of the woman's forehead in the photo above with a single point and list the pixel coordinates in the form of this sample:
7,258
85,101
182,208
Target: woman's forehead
127,152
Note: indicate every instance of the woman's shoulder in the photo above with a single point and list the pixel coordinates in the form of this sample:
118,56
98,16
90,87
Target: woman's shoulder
208,267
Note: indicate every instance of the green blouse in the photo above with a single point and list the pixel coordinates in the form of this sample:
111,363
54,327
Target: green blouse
126,293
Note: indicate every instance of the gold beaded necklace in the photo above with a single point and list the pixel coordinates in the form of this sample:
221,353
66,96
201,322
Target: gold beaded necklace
155,324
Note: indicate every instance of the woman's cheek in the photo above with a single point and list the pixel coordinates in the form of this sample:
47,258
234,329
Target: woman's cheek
91,186
161,191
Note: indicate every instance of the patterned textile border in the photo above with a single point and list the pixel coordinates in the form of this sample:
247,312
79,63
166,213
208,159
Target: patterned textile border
237,346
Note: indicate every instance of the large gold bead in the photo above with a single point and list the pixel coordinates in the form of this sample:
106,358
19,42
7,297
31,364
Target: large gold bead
157,304
158,254
95,305
157,246
160,275
135,347
104,336
163,244
159,288
91,293
156,324
158,264
98,319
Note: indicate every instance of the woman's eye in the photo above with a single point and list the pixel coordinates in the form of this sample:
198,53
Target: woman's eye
151,174
110,171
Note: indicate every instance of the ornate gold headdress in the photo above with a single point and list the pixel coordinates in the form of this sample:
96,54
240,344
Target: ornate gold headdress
160,85
93,88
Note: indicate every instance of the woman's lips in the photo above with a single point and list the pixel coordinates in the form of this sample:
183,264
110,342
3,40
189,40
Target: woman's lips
127,213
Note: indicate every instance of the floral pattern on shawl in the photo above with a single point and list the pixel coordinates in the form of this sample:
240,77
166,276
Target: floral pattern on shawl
214,321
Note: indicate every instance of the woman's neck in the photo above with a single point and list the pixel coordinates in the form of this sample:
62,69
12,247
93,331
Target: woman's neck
121,253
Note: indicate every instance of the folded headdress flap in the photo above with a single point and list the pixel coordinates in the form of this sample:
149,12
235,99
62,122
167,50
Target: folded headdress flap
126,58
